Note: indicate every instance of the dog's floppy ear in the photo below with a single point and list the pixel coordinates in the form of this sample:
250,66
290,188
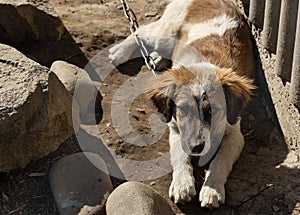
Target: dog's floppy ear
237,90
164,103
164,89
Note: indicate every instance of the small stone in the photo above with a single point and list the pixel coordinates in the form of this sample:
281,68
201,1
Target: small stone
275,208
150,169
151,14
141,110
119,141
152,183
120,7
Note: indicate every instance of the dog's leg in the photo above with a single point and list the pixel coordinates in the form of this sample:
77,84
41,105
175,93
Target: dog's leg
121,52
212,193
182,188
159,36
155,36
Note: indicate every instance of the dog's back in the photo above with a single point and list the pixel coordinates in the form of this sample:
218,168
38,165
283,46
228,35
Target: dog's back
218,31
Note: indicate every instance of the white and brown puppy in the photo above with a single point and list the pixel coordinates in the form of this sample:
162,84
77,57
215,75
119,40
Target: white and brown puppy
188,94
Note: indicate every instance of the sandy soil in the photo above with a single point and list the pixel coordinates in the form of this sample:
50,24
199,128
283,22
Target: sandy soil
265,180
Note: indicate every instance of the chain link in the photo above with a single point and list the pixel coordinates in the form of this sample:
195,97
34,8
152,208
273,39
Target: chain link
129,14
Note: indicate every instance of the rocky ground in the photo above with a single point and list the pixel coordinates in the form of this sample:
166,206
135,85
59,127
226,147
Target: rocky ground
265,180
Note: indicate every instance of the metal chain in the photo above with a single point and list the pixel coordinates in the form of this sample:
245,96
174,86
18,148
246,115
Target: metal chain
129,14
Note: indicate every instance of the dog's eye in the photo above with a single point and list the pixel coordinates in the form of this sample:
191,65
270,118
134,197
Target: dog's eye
209,113
206,109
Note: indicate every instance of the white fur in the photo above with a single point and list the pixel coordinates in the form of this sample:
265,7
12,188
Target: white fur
196,89
182,188
212,193
216,26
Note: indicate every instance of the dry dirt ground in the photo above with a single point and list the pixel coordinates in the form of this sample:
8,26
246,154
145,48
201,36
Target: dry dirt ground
265,180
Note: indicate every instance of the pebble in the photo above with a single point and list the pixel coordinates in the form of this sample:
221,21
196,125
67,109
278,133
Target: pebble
119,141
141,110
152,183
151,14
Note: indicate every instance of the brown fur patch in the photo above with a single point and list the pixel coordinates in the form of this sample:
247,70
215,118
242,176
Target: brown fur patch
232,50
170,80
181,74
240,86
200,11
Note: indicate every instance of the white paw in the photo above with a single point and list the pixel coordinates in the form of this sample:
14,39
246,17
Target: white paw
121,52
212,196
182,188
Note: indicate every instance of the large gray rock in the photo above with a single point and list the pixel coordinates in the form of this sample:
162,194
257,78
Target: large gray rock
34,28
35,110
136,198
79,184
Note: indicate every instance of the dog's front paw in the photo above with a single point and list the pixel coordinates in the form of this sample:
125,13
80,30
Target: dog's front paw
182,188
212,196
120,53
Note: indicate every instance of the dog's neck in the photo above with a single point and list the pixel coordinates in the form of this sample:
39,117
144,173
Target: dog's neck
186,55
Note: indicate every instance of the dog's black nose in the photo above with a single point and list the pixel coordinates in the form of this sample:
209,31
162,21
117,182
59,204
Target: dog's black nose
198,148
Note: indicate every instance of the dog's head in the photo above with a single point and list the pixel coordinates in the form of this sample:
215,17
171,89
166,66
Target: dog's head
199,99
